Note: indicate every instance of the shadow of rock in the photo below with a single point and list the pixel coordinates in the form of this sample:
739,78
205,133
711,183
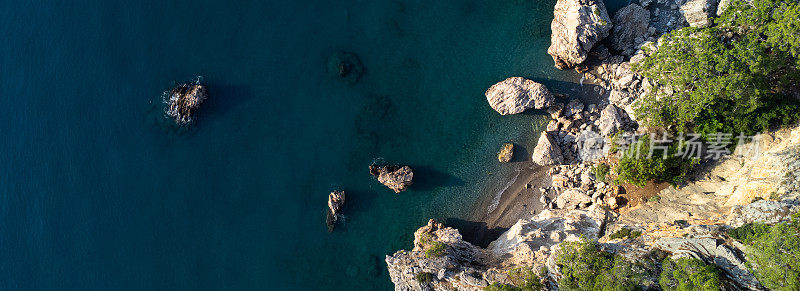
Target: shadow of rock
427,178
475,232
222,98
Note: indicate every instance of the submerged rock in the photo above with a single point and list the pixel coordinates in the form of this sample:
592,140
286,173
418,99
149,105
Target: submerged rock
516,94
396,178
184,100
345,66
547,151
506,153
335,203
578,25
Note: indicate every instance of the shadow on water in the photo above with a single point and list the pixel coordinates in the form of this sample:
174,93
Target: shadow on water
427,178
222,98
475,232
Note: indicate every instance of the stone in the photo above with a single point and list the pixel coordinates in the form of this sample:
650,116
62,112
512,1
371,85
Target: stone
577,26
645,3
610,121
506,153
335,202
183,101
553,125
556,110
574,107
698,12
396,178
547,152
346,67
571,198
630,24
764,211
516,94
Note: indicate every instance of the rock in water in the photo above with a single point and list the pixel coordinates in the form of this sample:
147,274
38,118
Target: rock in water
335,202
396,178
184,100
517,94
578,25
506,153
345,66
630,24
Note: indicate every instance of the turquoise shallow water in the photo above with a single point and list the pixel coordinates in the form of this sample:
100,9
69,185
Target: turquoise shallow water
97,193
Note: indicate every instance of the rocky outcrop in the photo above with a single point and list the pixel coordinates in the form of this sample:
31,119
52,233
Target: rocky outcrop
763,211
506,153
547,151
630,27
572,199
698,13
578,25
396,178
346,67
714,251
335,203
183,101
516,94
610,121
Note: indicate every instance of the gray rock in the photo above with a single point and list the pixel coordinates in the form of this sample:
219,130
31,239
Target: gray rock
571,198
547,151
577,26
395,177
610,120
630,24
574,107
184,100
335,202
765,211
516,94
698,12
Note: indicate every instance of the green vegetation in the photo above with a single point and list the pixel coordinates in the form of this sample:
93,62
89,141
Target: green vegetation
424,277
585,267
637,168
522,278
601,171
626,233
655,198
773,252
433,248
732,77
689,274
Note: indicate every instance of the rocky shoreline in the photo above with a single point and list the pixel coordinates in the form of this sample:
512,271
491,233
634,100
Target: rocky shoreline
563,199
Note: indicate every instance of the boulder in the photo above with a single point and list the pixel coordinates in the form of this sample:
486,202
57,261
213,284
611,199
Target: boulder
346,67
630,24
610,121
577,26
547,151
698,13
335,202
516,94
184,100
396,178
574,107
506,153
572,199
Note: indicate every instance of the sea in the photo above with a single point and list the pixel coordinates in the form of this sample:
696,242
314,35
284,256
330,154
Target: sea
99,191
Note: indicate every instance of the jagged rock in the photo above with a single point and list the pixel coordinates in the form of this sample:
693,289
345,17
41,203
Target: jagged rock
574,107
547,152
547,229
764,211
184,100
577,26
711,249
506,153
572,198
516,94
556,110
698,12
553,126
346,67
630,24
335,202
610,120
395,177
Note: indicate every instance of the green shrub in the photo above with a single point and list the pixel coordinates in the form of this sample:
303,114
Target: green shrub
773,254
637,168
435,249
689,274
424,277
746,233
655,198
625,233
585,267
732,77
600,171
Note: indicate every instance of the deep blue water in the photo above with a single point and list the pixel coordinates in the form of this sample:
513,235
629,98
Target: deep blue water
98,192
